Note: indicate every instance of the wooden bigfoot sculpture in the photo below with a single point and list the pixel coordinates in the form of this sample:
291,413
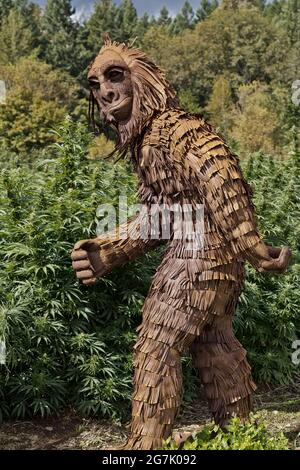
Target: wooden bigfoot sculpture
180,161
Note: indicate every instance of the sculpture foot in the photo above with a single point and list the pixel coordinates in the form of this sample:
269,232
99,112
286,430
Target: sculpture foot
181,438
143,443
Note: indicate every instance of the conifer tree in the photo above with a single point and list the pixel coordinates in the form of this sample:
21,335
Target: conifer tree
58,16
126,20
16,38
62,48
184,19
205,9
143,23
101,21
164,18
290,19
5,6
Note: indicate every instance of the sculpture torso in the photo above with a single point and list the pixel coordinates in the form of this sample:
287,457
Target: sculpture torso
166,179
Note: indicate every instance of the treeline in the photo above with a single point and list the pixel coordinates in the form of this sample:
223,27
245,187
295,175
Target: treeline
233,61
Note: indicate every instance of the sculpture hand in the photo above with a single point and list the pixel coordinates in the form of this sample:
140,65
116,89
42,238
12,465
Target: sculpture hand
86,261
279,261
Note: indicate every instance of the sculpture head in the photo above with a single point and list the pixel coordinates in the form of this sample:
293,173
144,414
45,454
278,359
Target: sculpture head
128,89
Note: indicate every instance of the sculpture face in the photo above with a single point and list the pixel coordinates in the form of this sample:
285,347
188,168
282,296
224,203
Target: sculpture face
127,88
112,88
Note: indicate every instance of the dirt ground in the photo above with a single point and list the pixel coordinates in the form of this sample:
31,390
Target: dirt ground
278,407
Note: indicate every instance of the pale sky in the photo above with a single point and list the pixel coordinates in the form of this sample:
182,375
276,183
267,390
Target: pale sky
153,6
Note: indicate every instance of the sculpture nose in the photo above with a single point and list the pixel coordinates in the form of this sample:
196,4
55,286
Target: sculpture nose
108,95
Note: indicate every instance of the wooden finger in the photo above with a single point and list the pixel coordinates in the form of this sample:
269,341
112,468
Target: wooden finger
79,255
274,251
89,282
79,245
87,274
266,266
81,265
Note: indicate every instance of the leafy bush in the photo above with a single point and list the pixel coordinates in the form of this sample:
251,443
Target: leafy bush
66,344
267,320
38,97
237,436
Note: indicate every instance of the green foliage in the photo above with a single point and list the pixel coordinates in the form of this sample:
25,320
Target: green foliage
267,322
66,344
205,9
235,4
255,124
37,98
101,21
241,44
57,16
64,45
240,40
7,5
289,16
220,105
126,20
189,101
184,19
237,436
164,18
142,25
121,22
15,37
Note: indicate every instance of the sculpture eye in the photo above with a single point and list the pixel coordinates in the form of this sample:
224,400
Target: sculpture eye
115,75
95,85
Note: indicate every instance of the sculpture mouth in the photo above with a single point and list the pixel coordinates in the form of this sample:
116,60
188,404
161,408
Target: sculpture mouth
119,112
120,104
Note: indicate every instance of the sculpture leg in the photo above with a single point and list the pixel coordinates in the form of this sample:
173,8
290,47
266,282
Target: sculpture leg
163,335
222,366
177,310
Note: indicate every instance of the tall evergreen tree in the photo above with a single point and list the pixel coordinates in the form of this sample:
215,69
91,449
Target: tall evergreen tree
184,19
290,19
205,9
126,20
102,20
5,6
30,20
61,32
58,16
143,23
16,38
164,18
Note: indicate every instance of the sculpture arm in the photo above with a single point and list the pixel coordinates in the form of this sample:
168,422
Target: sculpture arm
228,198
96,257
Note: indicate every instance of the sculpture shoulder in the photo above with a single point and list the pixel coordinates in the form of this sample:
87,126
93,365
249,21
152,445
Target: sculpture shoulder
178,132
162,126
